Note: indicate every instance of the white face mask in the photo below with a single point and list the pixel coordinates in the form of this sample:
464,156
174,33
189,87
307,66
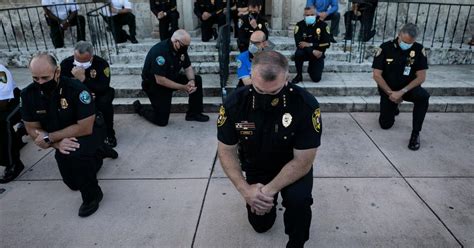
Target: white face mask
84,65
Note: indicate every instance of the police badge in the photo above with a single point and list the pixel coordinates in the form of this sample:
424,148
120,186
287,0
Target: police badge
93,73
64,103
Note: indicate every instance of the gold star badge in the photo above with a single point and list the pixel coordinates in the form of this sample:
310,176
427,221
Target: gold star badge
275,102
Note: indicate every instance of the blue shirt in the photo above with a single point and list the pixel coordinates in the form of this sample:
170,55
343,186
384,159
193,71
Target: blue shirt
323,5
244,65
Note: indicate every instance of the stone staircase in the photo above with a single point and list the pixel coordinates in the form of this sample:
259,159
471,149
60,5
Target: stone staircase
346,86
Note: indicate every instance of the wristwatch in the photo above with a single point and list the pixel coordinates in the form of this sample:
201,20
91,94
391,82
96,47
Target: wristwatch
47,140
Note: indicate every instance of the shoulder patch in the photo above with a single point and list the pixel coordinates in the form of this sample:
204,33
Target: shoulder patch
378,52
239,63
222,117
297,28
240,23
107,71
328,30
423,51
266,25
160,60
85,97
316,119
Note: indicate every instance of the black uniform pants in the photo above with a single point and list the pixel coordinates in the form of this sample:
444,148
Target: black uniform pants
168,25
79,172
334,18
419,97
9,139
206,26
297,200
160,98
315,66
57,33
366,19
105,106
116,23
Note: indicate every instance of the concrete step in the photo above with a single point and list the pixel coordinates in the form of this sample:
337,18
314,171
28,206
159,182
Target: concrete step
198,57
213,67
327,103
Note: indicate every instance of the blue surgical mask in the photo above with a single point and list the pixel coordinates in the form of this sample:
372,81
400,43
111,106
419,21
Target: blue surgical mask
405,46
310,20
253,49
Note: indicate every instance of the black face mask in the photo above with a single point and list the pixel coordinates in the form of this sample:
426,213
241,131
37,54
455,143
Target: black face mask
48,87
268,102
182,49
254,15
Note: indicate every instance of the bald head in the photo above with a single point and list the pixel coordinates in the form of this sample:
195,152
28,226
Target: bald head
43,67
182,36
258,36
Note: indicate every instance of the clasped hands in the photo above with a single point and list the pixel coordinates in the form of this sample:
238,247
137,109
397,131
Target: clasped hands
259,198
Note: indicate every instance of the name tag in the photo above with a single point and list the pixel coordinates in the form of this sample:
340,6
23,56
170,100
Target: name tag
407,71
389,61
245,126
41,111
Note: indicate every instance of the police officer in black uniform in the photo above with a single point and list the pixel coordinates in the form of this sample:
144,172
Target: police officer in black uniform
167,14
59,112
399,69
239,8
312,39
161,77
209,12
94,72
251,22
363,11
271,130
10,140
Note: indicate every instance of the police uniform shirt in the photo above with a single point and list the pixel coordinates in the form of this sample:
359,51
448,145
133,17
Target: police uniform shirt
69,103
244,65
97,75
246,30
7,84
399,67
316,34
60,11
117,4
163,60
214,7
166,6
267,134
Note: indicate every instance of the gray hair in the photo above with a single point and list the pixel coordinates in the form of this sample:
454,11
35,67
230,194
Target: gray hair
49,57
410,29
271,64
84,47
179,34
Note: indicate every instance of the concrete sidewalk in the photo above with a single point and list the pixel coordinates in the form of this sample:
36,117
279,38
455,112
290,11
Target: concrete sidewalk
167,189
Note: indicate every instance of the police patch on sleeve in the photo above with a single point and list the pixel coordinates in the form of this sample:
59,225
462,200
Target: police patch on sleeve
316,119
222,117
160,60
423,51
85,97
107,72
297,28
328,30
378,52
240,23
239,63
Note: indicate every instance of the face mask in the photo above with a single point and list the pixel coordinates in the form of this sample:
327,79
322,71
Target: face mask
84,65
254,49
405,46
182,49
253,15
310,20
49,86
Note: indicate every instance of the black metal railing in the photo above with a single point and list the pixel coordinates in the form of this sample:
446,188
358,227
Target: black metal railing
102,32
27,28
223,48
442,25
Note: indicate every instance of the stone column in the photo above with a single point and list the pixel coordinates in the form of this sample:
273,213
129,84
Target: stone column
277,14
187,18
296,14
